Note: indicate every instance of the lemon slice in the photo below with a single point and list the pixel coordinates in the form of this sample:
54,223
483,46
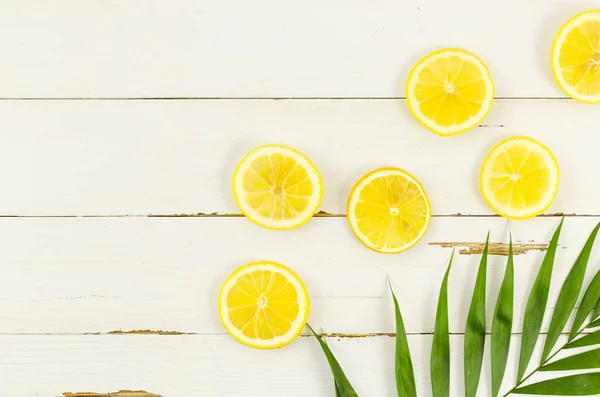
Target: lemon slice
450,91
576,57
264,305
277,187
388,210
519,178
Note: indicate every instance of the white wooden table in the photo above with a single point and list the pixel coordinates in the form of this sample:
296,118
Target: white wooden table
122,122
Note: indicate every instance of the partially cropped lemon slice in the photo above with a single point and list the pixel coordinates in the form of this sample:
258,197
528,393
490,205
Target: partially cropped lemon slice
388,210
450,91
264,305
519,178
576,57
277,187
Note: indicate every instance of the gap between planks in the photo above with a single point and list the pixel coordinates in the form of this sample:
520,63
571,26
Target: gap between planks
320,214
339,335
464,247
201,98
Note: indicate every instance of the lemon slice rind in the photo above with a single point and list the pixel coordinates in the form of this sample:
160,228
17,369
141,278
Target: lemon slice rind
297,325
571,24
355,197
428,123
528,212
302,217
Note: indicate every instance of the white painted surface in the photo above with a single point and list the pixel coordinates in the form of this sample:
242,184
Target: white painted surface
65,274
211,365
166,157
266,48
70,276
193,365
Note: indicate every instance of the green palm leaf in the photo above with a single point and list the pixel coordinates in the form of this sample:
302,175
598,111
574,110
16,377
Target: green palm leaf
475,329
536,305
596,311
440,351
587,340
586,360
568,295
502,324
405,378
343,388
570,291
588,303
595,323
575,385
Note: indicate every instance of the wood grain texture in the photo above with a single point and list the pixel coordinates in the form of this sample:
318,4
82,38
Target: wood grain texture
216,365
178,157
82,275
267,48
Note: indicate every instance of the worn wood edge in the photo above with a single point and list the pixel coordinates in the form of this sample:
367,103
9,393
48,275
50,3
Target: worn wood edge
338,335
476,248
146,332
121,393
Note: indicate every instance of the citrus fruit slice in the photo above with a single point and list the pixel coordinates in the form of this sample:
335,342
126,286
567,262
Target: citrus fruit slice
277,187
576,57
450,91
263,305
388,210
519,178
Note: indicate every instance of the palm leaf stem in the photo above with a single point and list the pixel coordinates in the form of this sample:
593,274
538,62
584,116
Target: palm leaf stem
544,363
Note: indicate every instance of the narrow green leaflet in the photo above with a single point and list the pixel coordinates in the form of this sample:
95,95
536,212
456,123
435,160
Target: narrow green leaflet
587,340
576,385
536,305
475,329
588,303
502,324
594,324
440,351
405,378
596,311
586,360
343,388
568,295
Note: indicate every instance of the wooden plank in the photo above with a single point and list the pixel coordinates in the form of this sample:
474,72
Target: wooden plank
216,365
88,275
178,157
267,48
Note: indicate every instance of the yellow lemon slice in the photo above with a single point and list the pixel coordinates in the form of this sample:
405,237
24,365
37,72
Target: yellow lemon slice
576,57
519,178
277,187
450,91
388,210
264,305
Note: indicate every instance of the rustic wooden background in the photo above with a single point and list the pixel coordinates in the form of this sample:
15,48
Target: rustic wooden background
122,122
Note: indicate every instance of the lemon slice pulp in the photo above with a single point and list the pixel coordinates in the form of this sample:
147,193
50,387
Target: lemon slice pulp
264,305
450,91
519,178
388,210
576,57
277,187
